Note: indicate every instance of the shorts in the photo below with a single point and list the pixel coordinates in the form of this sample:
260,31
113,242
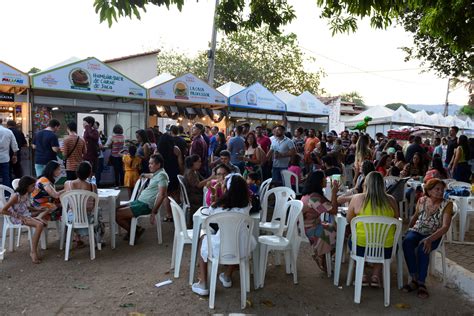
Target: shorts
139,208
360,250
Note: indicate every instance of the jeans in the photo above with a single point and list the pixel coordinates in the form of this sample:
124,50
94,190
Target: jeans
117,164
276,175
416,258
39,169
100,168
5,173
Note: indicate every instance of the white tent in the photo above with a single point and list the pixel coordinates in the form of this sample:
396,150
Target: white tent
230,88
423,118
153,82
449,121
402,115
460,123
469,123
307,103
379,114
285,96
437,119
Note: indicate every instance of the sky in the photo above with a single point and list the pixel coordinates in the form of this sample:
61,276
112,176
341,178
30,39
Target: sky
369,61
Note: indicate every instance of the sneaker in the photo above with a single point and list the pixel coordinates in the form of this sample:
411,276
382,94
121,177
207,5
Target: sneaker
226,281
200,289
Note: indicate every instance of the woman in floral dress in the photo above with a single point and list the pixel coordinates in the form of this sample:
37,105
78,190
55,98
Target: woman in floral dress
321,234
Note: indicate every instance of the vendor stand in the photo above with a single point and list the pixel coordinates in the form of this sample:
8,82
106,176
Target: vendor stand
185,100
71,91
305,111
255,105
14,104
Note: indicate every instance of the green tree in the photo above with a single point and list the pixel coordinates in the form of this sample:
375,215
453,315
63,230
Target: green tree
354,97
467,110
443,29
395,106
245,57
33,70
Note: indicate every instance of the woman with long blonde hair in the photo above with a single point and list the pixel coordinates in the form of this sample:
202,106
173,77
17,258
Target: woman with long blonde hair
374,201
362,153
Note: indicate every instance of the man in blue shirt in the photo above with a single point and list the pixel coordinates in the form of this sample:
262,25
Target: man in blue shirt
46,146
236,147
213,140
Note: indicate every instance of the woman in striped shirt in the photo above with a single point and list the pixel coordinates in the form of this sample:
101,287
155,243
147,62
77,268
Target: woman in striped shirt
115,143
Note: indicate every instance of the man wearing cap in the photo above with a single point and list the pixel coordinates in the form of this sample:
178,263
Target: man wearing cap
330,141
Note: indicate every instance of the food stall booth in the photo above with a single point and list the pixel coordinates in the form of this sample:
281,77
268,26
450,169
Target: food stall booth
185,100
78,88
255,105
14,105
305,111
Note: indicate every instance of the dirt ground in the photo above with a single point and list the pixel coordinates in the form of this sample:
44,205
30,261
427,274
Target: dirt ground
121,282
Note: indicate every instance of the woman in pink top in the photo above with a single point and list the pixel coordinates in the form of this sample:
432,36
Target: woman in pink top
294,166
116,143
217,184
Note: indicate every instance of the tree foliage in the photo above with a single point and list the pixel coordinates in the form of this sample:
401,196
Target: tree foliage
467,110
245,57
395,106
443,29
354,97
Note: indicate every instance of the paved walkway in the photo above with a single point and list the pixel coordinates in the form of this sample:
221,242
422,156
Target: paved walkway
463,254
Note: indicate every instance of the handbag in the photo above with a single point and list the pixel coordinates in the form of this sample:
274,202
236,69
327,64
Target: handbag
67,156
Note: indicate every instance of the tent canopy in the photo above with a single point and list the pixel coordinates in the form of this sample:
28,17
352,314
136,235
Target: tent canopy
423,118
230,88
379,114
285,96
89,76
186,89
257,97
12,80
307,103
153,82
402,115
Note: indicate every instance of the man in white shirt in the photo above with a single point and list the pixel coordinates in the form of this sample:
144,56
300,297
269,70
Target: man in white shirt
7,142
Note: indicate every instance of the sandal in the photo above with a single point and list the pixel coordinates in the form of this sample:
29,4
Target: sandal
365,280
422,292
410,287
320,262
375,281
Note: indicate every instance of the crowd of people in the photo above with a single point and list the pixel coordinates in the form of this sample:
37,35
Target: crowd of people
233,166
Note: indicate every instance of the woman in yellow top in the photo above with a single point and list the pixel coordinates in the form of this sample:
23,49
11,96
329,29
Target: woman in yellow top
373,202
458,166
131,166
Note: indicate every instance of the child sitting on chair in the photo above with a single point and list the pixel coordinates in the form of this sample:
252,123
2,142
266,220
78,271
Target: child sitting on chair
21,212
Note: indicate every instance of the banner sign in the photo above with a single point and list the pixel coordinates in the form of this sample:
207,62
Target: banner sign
307,103
257,97
7,97
89,76
10,76
188,89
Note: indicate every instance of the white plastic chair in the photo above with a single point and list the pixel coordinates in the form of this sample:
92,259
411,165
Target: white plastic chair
459,184
76,201
264,187
231,225
466,210
376,232
287,176
8,226
183,194
44,234
204,194
182,236
136,191
282,195
289,243
134,222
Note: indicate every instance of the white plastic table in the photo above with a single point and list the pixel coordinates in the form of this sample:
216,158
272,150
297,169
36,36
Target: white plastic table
341,224
463,203
108,200
198,219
